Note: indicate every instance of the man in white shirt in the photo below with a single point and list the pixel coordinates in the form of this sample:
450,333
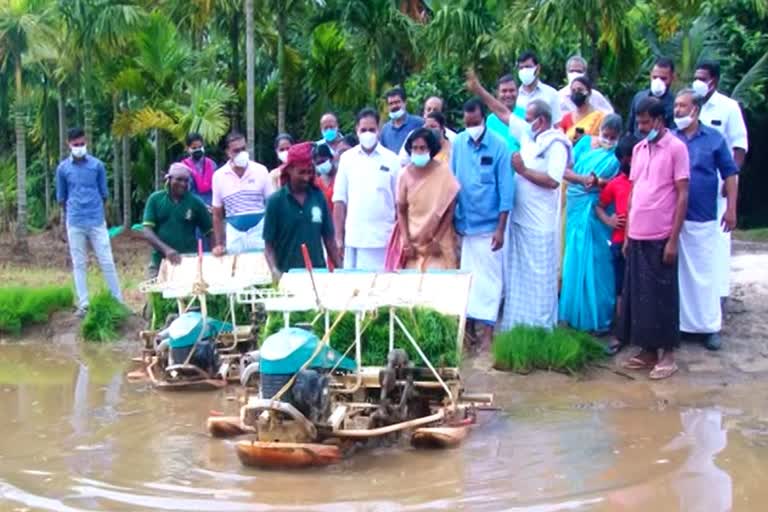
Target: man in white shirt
724,115
364,197
575,67
241,188
531,88
531,297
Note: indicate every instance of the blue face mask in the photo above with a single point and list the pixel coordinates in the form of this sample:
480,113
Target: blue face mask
324,168
420,159
652,135
329,135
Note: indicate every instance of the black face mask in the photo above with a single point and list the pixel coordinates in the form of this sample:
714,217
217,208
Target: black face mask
197,154
578,98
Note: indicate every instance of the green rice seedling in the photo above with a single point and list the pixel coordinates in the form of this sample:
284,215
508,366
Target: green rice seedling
104,318
524,349
20,306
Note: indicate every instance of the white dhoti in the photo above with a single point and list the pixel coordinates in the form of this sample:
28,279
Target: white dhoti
722,246
486,268
365,259
243,241
698,273
531,297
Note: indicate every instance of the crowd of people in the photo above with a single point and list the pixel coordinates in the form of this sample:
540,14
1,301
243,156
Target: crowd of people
562,212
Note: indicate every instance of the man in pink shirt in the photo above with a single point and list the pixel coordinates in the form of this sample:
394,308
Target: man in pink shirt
657,208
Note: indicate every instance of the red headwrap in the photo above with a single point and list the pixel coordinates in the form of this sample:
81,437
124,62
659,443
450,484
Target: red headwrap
299,155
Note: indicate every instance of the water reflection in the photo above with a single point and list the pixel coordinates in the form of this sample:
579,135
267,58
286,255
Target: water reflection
77,436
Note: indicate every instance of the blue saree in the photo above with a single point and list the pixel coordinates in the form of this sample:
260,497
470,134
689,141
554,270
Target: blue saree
587,297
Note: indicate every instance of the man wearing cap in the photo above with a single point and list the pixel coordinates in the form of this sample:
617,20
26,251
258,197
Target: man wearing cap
172,216
298,214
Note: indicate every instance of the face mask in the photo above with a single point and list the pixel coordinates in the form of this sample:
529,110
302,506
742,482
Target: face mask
420,159
573,75
527,75
397,114
476,132
283,155
607,143
241,160
197,154
652,135
324,168
700,88
683,122
578,98
658,87
329,134
367,139
530,130
438,134
78,151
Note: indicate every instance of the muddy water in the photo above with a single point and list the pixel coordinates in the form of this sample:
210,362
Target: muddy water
76,436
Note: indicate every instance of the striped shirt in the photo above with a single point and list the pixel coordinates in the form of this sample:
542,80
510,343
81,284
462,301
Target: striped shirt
241,195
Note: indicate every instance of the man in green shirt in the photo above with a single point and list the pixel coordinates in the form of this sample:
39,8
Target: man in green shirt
171,217
298,214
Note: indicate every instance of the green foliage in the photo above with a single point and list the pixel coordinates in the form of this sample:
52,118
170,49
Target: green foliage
524,349
21,306
218,308
104,318
435,333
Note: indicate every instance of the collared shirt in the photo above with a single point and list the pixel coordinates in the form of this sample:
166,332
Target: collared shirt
367,184
175,222
81,185
709,155
656,167
544,92
669,109
616,193
495,125
724,115
241,194
392,137
537,207
485,174
596,99
288,225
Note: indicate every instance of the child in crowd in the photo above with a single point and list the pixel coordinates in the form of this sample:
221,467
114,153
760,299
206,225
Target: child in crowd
615,197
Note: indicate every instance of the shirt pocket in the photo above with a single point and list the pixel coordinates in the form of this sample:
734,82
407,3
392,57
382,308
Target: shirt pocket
487,177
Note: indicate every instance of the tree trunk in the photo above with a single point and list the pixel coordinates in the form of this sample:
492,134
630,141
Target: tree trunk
88,119
159,158
47,181
115,162
250,70
234,68
281,100
21,160
62,107
126,154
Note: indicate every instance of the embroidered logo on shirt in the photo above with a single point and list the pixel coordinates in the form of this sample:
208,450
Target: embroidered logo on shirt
317,215
188,215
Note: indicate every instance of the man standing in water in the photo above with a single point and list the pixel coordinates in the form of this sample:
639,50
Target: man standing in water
657,208
298,214
240,191
81,190
171,218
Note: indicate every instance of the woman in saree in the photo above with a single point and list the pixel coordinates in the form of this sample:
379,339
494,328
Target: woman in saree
426,197
587,296
586,119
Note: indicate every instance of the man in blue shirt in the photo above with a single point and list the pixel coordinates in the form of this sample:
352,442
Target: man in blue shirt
81,190
710,157
481,162
400,123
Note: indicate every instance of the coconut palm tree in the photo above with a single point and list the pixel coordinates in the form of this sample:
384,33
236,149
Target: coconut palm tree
23,31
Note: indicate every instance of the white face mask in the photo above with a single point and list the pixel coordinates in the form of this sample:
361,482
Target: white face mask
368,139
658,87
573,75
527,75
684,122
283,155
700,88
78,151
241,160
476,132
